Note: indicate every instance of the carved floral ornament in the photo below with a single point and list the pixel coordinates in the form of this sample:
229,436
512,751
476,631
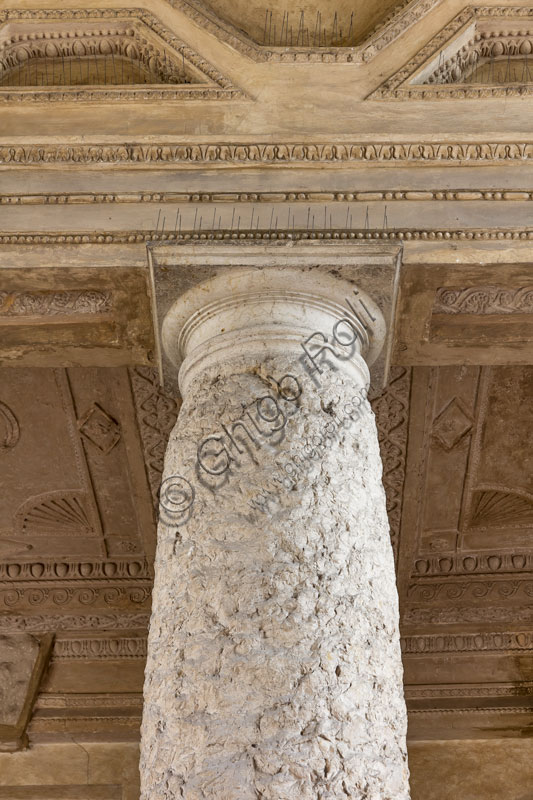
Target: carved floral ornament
115,54
168,153
54,303
484,300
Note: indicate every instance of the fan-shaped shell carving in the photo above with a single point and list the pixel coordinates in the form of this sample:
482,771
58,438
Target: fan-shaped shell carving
493,508
9,428
56,514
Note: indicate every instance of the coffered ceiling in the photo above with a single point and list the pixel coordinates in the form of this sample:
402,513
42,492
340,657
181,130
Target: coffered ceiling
81,455
308,23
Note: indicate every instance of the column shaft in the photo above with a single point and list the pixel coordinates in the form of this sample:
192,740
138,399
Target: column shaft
274,666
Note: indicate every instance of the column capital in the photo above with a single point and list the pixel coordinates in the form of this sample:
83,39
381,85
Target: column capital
269,311
216,300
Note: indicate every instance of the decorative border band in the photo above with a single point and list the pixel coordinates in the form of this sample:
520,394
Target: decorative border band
38,623
485,642
111,648
264,154
489,710
369,196
136,237
523,689
66,571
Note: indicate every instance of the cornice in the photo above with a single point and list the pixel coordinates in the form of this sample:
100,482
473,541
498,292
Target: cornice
265,154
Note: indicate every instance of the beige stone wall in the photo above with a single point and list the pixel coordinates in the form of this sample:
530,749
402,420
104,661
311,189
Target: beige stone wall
71,771
496,769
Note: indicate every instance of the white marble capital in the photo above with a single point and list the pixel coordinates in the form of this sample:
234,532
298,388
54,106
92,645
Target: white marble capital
272,311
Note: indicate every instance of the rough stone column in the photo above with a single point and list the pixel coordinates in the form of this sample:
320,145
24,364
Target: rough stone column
274,666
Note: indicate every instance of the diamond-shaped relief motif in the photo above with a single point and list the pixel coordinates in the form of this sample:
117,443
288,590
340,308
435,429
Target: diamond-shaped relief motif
99,428
451,425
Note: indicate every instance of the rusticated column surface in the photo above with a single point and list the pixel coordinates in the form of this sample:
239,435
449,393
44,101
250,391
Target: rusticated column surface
274,666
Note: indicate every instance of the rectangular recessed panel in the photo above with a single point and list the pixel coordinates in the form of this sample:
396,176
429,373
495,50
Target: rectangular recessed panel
77,792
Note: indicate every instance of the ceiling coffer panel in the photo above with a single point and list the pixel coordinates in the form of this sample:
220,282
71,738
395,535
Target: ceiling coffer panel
100,54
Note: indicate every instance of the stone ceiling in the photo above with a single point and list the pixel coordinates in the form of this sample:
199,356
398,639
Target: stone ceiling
89,177
340,22
81,453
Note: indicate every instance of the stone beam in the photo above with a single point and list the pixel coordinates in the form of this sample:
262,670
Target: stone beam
60,308
23,661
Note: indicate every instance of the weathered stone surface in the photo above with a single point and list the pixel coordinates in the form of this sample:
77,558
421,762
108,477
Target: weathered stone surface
274,668
18,654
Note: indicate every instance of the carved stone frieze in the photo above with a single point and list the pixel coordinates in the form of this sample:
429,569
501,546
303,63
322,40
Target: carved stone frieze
487,641
51,700
50,303
449,563
265,153
111,647
484,300
47,570
492,710
474,591
36,623
18,598
74,537
461,614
